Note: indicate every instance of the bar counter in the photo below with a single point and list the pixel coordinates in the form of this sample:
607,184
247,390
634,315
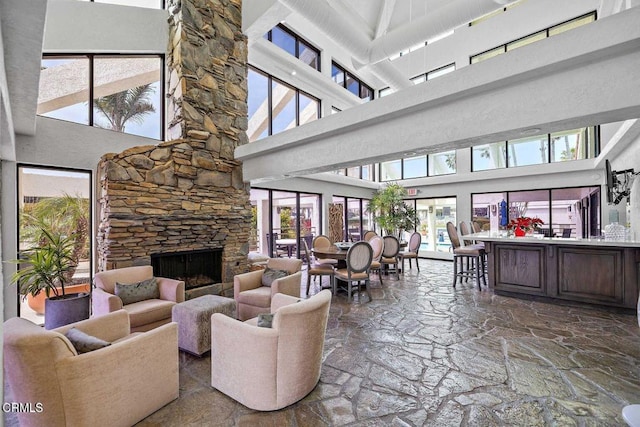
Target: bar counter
588,271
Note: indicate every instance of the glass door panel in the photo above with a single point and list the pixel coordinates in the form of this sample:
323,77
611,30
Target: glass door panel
259,221
55,202
284,227
433,215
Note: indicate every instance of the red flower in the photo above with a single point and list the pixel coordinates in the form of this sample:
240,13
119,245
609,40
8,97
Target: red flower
525,223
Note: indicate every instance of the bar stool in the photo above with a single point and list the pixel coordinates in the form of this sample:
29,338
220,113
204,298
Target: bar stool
472,254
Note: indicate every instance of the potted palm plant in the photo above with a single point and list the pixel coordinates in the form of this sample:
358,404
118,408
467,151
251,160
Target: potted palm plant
65,215
391,213
45,268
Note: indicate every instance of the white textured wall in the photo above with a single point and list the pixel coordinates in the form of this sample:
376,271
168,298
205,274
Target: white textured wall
77,26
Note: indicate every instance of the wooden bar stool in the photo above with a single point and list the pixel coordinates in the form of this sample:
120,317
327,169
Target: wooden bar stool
473,255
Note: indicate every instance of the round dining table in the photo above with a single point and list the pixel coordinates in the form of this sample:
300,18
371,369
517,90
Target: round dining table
331,252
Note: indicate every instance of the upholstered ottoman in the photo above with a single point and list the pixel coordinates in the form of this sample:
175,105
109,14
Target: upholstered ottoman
194,321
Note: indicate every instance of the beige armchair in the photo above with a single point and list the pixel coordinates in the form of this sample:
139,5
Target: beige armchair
145,315
269,368
117,385
252,298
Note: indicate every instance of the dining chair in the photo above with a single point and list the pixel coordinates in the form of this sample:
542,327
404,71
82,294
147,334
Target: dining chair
377,244
318,269
358,260
322,242
271,243
368,235
390,253
473,254
464,230
412,250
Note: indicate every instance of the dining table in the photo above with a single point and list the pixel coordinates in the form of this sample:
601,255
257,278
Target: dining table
331,252
289,244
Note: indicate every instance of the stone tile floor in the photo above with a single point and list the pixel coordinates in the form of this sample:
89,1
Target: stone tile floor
423,353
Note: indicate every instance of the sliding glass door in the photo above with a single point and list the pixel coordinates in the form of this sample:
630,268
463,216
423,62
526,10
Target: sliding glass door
55,203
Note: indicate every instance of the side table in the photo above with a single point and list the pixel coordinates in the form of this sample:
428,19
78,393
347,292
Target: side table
194,321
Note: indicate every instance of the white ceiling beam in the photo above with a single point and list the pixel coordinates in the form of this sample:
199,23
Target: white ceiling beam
260,16
384,17
579,78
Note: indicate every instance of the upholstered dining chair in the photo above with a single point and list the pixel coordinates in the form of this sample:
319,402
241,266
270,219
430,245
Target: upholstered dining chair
358,259
322,242
368,235
464,230
412,250
318,269
474,253
390,253
377,244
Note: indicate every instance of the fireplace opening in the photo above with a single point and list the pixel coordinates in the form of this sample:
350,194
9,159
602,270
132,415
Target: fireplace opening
196,268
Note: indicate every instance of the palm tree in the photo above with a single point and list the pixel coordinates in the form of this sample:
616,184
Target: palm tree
391,212
129,105
65,216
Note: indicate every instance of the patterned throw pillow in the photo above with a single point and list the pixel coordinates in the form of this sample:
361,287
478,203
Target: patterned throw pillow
134,292
265,320
83,342
271,274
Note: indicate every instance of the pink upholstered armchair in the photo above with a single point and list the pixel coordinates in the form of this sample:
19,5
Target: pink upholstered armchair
117,385
145,315
269,368
252,298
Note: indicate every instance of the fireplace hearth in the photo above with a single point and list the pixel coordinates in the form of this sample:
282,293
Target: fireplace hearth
197,268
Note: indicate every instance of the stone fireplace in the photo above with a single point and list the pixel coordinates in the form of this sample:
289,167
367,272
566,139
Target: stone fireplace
186,194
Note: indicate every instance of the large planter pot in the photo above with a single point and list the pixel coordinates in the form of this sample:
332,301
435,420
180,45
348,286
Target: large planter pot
37,303
65,309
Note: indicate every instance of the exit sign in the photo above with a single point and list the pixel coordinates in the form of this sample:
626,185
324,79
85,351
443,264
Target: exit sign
412,191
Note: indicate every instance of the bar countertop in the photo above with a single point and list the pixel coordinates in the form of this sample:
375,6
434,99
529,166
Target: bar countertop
540,239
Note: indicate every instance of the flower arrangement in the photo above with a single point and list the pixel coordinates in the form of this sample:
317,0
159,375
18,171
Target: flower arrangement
525,224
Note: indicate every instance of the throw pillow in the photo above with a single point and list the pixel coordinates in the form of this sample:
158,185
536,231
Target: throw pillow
271,274
84,342
134,292
265,320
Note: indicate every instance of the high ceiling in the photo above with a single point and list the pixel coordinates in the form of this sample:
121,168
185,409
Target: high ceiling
381,16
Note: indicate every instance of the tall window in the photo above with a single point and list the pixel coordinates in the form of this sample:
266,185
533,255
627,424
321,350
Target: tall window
120,93
548,32
282,220
441,71
574,144
350,82
566,212
56,202
274,106
433,215
362,172
419,166
355,217
295,45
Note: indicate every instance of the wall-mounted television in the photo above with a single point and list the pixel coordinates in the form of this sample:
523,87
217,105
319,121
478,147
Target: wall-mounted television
618,183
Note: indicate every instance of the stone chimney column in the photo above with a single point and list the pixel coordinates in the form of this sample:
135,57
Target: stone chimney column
186,193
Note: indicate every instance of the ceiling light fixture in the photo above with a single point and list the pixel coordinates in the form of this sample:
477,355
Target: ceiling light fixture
293,72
